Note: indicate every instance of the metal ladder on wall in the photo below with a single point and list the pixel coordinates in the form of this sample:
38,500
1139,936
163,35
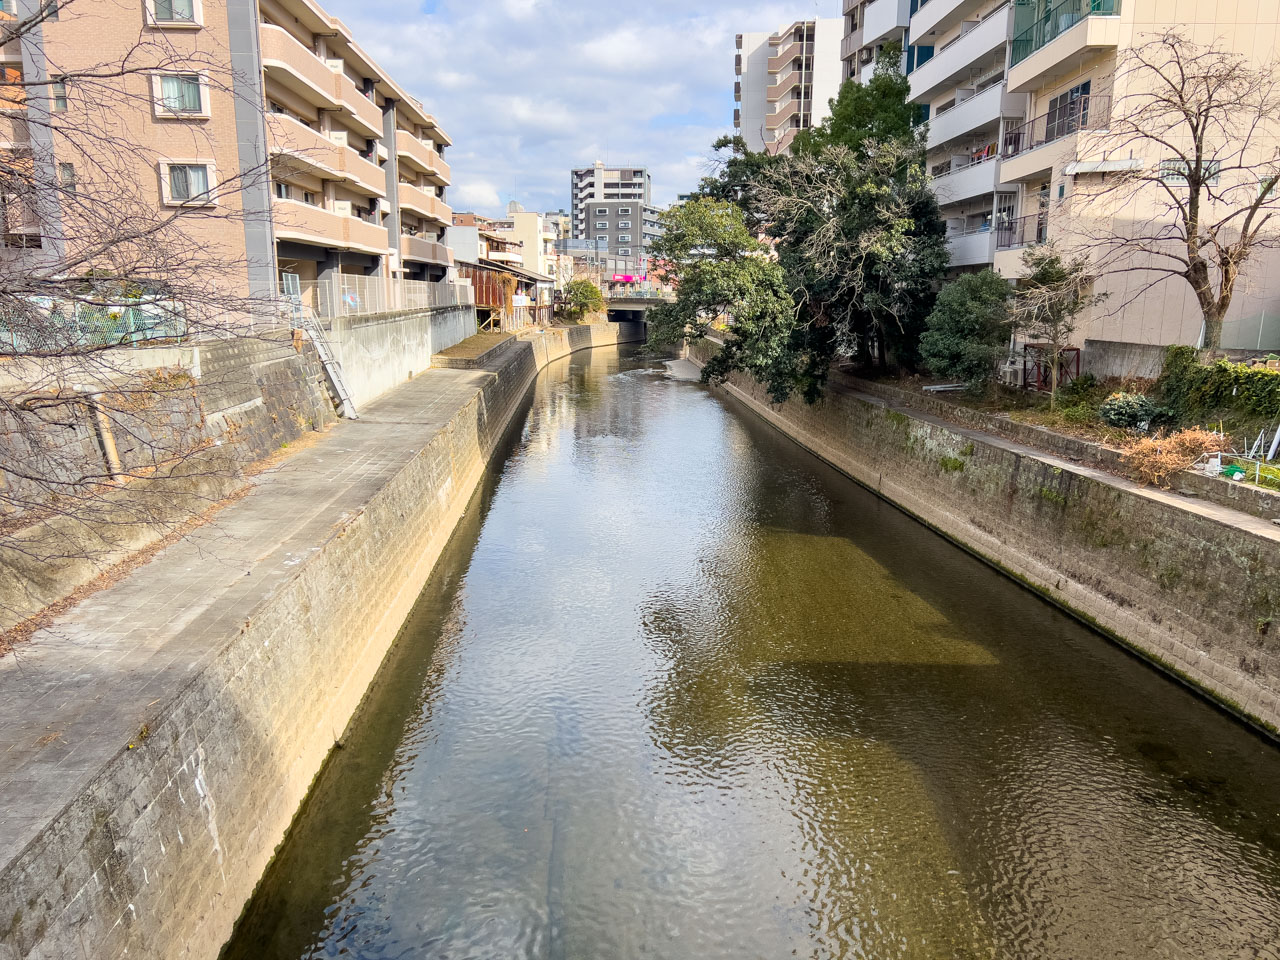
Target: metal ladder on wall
304,318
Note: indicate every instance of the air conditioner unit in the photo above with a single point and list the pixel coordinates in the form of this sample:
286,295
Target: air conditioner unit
342,208
339,137
1011,374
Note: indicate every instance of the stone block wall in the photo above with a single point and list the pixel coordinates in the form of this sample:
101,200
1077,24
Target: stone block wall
157,857
1196,596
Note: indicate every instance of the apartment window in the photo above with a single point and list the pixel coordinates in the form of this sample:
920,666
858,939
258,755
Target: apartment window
174,11
1175,171
624,223
308,197
601,211
182,94
602,224
67,177
624,210
624,238
624,251
602,240
58,96
187,183
281,190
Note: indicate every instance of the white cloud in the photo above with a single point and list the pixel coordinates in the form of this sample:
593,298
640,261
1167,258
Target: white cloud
528,89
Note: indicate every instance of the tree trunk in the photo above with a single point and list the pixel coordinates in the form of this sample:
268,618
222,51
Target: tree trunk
1055,360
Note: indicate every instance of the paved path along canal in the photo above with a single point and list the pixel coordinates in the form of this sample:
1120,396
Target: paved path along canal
679,690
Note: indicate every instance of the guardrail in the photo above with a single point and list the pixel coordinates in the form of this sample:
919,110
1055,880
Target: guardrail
1083,113
52,328
1022,232
1056,22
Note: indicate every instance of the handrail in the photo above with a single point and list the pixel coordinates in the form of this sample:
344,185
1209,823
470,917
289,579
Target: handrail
1023,231
1057,21
1084,113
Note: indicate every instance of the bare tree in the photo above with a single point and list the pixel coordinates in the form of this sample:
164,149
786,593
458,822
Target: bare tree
1190,187
97,436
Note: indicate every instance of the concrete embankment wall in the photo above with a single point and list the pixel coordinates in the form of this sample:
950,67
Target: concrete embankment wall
382,351
1199,597
158,855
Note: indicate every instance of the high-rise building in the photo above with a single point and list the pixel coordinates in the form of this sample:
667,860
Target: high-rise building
600,186
357,176
1017,97
785,81
869,25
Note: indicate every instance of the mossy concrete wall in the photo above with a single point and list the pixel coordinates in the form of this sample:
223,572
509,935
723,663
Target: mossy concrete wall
157,856
1197,596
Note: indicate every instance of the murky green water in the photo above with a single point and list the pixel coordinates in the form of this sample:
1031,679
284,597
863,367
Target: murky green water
680,691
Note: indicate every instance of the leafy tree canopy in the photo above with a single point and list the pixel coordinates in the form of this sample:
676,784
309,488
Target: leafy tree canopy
875,111
969,327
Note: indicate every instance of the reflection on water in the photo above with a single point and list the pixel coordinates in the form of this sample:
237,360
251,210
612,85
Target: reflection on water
678,690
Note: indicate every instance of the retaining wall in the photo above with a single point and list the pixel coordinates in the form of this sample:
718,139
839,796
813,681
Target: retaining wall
1198,597
230,757
382,351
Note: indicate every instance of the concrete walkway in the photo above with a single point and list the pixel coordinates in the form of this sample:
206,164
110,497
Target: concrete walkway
1224,515
82,688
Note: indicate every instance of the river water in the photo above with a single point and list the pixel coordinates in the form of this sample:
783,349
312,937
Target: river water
679,690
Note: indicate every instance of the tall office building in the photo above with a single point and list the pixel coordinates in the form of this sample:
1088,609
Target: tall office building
785,82
1018,98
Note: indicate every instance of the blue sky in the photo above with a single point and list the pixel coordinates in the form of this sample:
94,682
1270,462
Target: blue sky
528,89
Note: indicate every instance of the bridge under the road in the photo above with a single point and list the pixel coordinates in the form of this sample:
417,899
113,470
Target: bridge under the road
634,305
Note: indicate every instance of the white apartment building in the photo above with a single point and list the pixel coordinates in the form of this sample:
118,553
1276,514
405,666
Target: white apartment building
1017,95
786,80
868,26
601,184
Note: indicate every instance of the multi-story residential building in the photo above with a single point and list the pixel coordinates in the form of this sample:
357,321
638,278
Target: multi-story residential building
1020,96
870,25
599,184
347,176
535,232
786,80
624,228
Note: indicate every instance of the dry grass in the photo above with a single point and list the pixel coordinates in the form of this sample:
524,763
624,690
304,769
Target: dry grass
1156,460
476,345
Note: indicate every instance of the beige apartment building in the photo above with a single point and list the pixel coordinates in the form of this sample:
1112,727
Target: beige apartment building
1020,97
785,82
348,179
870,25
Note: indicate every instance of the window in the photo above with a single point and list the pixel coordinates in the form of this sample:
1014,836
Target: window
175,11
1068,112
1175,171
602,240
624,238
187,183
624,210
281,190
602,224
624,223
624,251
601,211
58,96
182,94
67,177
308,197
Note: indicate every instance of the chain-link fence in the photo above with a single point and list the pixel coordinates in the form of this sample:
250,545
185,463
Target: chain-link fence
52,327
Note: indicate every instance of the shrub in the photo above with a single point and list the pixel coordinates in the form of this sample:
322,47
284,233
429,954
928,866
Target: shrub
1080,414
968,328
1155,460
1131,410
582,296
1190,389
1082,389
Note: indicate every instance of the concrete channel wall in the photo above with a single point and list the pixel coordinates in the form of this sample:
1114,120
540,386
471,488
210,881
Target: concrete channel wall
1197,596
157,856
382,351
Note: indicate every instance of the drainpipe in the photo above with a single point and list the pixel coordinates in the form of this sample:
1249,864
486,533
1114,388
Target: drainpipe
102,430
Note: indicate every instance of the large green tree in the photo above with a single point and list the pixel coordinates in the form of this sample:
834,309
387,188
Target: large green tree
875,111
968,331
725,277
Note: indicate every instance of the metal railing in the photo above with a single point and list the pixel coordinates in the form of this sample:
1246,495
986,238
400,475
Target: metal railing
52,327
347,295
1055,22
1023,232
1083,113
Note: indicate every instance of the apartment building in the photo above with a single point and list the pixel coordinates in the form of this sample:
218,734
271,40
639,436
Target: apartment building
785,81
598,185
347,171
625,228
1020,96
535,232
870,25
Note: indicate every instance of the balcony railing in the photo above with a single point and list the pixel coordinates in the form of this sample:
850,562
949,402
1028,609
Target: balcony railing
1084,113
1057,21
1023,232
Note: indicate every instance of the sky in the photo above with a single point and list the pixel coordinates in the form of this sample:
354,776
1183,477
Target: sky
529,89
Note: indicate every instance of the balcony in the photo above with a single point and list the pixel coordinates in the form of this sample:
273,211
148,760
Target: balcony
966,182
1045,142
358,110
315,225
850,44
847,7
418,201
782,118
423,157
781,88
506,256
1055,44
972,248
884,19
782,59
296,68
951,64
425,251
937,17
364,175
1023,232
305,150
980,111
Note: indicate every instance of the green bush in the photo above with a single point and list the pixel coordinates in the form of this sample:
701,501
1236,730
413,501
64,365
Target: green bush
969,328
1080,414
1130,410
1083,389
1191,390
